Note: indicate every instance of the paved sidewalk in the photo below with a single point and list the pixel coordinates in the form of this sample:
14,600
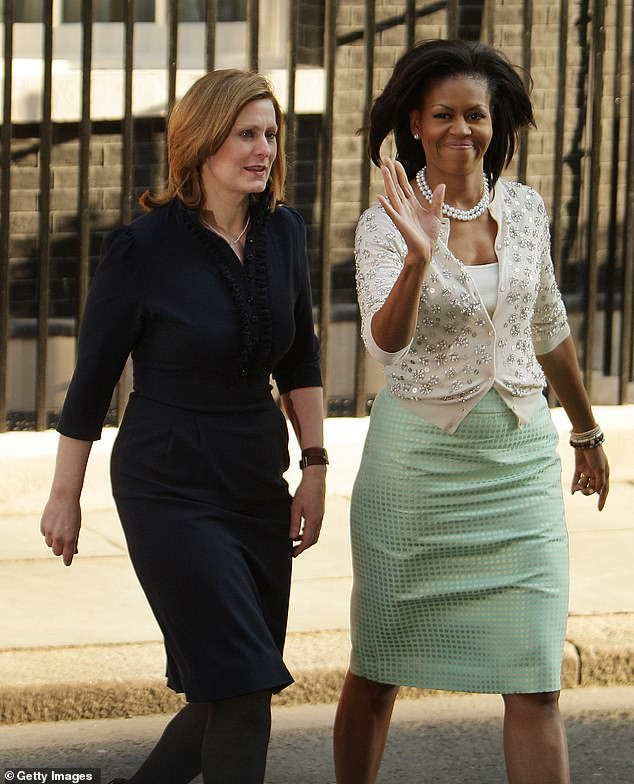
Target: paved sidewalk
81,642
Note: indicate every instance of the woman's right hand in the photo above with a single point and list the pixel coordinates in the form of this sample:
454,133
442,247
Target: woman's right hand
60,524
419,226
61,519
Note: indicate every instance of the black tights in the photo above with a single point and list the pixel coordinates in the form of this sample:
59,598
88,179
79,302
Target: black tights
225,739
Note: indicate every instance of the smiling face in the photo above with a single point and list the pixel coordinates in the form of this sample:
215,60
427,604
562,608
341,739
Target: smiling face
454,124
243,162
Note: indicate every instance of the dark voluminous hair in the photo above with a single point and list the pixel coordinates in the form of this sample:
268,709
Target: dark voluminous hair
432,62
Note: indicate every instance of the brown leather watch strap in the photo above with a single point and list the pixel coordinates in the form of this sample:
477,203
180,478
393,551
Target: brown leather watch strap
313,455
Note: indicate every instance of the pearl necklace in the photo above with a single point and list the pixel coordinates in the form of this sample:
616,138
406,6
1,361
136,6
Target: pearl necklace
215,230
455,212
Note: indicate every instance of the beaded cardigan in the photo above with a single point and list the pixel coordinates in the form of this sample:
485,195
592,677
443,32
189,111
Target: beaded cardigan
458,352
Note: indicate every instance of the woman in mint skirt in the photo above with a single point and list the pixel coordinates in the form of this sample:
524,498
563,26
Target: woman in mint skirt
460,550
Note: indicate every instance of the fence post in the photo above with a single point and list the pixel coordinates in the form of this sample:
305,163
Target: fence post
592,263
627,309
127,172
44,267
85,127
368,87
330,43
560,117
611,276
291,117
211,17
5,207
253,29
527,39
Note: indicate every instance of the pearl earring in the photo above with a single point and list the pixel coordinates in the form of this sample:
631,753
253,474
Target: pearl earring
416,136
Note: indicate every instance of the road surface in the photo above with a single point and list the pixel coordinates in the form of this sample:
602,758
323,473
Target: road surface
435,740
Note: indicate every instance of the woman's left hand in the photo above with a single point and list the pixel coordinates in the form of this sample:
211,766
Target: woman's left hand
307,509
592,474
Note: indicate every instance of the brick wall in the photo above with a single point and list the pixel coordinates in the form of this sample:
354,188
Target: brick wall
105,173
105,199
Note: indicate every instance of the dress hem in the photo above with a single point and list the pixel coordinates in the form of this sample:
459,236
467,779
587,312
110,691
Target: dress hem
441,683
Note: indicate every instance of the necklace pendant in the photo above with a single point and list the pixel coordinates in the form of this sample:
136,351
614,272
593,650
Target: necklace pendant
220,232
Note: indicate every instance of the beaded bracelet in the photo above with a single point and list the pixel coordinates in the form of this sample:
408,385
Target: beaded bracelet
590,439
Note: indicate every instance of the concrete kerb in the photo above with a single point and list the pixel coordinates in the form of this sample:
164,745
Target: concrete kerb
108,681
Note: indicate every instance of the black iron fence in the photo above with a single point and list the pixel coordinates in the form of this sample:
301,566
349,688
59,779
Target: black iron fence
68,176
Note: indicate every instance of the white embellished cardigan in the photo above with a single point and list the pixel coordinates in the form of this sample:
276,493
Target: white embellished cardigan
458,352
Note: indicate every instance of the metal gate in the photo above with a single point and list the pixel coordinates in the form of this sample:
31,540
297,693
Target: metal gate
336,55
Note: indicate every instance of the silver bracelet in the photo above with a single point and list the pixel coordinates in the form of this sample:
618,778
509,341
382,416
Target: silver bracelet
592,433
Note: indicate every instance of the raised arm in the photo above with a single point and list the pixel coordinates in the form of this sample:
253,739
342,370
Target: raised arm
393,325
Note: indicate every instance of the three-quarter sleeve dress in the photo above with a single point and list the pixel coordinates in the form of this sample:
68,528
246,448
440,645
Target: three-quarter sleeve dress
197,467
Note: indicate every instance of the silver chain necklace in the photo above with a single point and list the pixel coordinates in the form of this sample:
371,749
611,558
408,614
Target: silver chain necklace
208,225
455,212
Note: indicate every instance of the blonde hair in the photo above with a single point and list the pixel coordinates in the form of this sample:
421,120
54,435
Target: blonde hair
199,124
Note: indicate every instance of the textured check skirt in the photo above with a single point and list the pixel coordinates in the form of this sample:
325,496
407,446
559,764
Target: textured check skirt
460,552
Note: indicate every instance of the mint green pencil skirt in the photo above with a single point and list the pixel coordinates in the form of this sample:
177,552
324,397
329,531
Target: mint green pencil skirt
460,552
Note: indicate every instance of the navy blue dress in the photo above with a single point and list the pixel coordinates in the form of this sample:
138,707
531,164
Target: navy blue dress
197,467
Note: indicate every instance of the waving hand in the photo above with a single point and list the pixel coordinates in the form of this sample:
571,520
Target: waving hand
418,225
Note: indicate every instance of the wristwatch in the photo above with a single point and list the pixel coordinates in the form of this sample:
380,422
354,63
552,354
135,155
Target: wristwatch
314,455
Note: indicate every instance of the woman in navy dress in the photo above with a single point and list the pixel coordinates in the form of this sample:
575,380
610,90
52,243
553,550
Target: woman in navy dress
209,292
